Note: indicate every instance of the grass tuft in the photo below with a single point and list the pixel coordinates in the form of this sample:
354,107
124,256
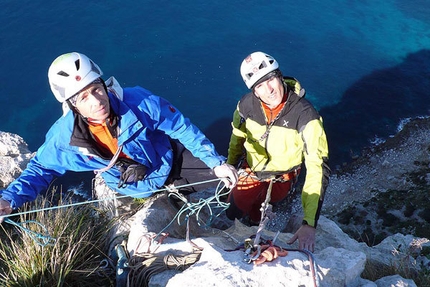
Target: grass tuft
407,262
74,258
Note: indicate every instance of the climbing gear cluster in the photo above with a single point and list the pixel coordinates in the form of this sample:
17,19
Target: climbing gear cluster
264,252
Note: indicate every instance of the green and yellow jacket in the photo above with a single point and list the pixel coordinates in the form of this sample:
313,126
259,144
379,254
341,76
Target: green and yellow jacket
294,137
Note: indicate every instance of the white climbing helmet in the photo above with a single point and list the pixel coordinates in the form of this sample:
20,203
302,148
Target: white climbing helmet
70,73
256,66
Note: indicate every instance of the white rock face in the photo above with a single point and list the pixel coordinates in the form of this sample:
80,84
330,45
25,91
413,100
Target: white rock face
14,157
339,260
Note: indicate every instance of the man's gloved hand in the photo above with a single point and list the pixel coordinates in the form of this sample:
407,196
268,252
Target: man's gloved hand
132,173
227,173
5,209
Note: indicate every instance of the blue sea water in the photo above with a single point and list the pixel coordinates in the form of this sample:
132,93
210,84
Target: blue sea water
365,64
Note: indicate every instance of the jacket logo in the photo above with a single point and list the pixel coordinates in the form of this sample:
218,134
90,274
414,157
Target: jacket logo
172,109
285,124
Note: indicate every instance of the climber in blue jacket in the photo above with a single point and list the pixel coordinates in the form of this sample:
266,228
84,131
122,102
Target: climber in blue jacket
129,136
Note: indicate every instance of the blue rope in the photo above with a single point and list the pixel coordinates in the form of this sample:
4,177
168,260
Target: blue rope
45,239
208,204
39,238
190,209
99,200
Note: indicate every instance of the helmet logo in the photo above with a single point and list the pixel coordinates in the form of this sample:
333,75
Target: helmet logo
248,59
78,78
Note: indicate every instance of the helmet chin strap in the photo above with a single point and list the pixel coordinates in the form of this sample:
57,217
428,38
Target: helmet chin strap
76,111
94,121
72,107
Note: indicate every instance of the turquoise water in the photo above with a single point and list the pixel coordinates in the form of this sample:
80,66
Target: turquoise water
364,64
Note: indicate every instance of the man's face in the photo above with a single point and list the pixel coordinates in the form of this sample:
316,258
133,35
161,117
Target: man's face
93,103
271,91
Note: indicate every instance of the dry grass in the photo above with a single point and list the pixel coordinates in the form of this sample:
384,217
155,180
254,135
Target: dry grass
406,263
74,258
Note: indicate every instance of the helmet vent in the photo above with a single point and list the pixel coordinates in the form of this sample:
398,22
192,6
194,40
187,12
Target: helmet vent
77,64
262,65
62,73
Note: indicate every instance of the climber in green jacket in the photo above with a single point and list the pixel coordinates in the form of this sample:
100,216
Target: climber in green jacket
275,131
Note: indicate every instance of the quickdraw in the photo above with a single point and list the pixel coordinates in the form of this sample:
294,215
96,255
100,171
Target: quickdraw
266,213
261,253
149,242
256,251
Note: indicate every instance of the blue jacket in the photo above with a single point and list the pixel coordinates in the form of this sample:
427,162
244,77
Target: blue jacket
145,122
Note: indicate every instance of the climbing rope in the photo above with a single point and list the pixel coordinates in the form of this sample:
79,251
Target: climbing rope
42,239
266,213
189,209
100,200
313,265
209,204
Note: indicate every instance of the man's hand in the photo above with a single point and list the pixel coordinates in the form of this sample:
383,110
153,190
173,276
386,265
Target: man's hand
306,236
227,173
5,208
